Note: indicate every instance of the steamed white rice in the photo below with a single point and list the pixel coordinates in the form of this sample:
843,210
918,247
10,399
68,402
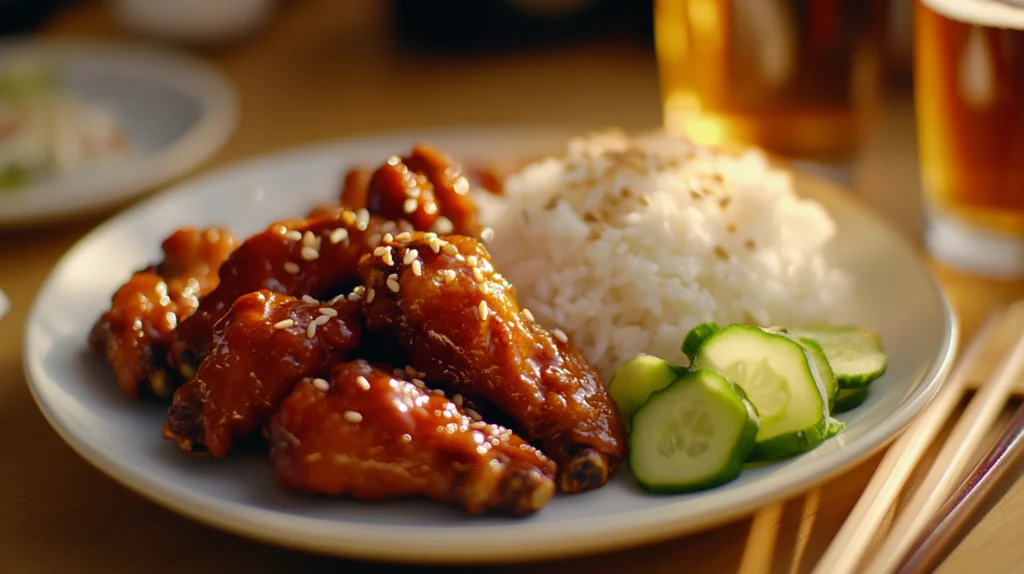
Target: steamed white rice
626,244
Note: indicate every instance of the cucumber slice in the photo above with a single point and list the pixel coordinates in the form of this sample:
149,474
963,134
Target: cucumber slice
825,373
696,336
775,373
834,427
694,434
849,399
635,380
855,354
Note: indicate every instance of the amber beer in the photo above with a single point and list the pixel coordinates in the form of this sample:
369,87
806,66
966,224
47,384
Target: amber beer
797,77
969,82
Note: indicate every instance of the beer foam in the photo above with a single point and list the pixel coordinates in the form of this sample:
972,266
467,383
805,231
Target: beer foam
991,13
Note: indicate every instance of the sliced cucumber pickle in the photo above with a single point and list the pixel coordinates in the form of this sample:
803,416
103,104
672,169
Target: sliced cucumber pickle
855,354
696,337
820,362
692,435
849,399
635,380
777,375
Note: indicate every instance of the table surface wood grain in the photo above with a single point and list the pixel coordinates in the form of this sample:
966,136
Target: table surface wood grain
324,70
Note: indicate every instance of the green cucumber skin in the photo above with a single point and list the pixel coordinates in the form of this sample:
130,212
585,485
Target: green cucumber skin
834,427
849,399
817,355
736,459
789,445
696,337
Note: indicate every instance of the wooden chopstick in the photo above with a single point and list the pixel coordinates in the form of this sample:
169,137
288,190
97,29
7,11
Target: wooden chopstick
851,542
963,441
937,539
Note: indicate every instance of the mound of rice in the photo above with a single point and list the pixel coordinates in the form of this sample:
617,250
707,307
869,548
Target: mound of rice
626,244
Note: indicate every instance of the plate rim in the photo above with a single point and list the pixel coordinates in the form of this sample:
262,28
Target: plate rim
202,80
376,542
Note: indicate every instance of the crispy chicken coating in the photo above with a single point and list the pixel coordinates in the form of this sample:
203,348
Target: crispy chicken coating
315,257
458,319
368,434
134,334
263,346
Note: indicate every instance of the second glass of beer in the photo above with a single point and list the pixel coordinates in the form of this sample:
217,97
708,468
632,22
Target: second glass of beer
796,77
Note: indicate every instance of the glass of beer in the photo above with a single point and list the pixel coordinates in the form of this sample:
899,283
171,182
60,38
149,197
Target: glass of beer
969,90
796,77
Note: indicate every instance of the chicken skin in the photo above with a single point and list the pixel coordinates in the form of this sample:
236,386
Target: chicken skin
315,257
263,346
135,333
365,433
459,322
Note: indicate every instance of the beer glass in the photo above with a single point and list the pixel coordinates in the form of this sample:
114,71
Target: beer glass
969,86
796,77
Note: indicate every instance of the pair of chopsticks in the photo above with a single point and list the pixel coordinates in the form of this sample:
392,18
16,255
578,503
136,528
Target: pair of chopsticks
936,514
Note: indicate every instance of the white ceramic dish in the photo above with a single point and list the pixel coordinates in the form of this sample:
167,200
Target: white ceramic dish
176,112
894,294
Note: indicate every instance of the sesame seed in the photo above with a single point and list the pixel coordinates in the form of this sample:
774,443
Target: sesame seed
293,235
472,261
443,225
338,235
328,311
498,277
309,299
435,245
362,219
353,296
478,425
483,310
309,240
353,417
387,258
410,205
291,267
457,399
363,383
369,295
284,324
528,315
487,234
392,283
449,275
412,372
474,415
485,288
430,208
321,320
321,384
437,392
380,251
348,217
417,268
410,256
404,236
312,457
429,235
450,249
478,275
334,300
311,330
560,335
309,254
359,289
388,238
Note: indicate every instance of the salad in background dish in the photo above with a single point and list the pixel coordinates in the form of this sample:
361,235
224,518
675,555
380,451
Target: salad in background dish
45,130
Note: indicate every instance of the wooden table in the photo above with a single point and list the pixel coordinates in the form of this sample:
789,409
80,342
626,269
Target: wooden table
324,70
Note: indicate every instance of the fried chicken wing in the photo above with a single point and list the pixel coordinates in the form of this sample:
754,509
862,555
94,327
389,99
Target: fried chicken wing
315,256
373,436
134,334
460,324
263,346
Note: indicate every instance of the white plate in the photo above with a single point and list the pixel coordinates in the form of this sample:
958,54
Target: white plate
176,112
894,294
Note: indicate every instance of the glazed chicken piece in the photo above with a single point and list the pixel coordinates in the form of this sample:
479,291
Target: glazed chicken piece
134,334
421,188
315,257
459,322
368,434
263,346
